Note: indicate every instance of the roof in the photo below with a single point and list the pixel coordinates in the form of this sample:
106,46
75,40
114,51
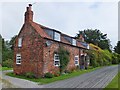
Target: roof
40,29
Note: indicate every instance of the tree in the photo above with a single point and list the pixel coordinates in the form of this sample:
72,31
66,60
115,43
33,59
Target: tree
96,37
7,48
12,41
117,48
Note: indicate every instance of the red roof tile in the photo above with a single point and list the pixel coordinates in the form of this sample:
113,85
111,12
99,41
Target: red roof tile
40,30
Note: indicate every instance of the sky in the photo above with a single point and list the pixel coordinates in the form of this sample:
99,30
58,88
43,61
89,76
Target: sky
67,17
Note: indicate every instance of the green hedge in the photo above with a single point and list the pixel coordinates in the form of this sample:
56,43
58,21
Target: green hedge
99,57
7,63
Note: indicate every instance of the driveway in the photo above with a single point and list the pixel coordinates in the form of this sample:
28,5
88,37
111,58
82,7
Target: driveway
95,79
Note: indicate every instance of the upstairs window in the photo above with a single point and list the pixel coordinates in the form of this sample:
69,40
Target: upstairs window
74,42
19,42
56,36
76,60
18,58
56,60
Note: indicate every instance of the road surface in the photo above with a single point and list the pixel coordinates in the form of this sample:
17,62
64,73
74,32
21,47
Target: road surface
95,79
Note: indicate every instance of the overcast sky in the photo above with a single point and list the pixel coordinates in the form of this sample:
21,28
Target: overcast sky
67,17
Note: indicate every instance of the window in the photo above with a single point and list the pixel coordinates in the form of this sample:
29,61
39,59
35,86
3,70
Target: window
88,46
74,42
56,36
19,42
76,60
56,60
18,58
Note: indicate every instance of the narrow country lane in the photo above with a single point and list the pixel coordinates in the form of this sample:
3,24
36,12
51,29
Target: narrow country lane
96,79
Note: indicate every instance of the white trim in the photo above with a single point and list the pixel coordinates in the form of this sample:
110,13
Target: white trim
76,60
18,58
56,60
19,42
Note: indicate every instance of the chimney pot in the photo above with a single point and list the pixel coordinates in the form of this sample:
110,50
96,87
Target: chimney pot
30,4
27,8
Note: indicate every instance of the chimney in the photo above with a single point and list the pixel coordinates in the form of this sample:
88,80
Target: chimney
29,14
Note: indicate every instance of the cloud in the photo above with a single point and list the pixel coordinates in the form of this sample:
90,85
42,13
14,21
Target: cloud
95,5
67,17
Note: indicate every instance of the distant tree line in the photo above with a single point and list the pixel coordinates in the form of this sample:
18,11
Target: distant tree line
7,51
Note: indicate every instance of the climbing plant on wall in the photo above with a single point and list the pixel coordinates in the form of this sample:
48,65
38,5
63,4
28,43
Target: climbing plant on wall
64,58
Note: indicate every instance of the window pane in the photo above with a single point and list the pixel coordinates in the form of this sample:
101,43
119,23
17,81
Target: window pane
76,60
18,58
73,42
56,60
20,42
57,63
57,36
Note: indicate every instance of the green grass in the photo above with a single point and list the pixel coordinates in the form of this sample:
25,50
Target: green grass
5,68
49,80
114,82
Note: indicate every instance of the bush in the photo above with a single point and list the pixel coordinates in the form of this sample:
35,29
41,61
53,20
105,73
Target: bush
30,75
68,71
49,75
8,63
115,58
57,74
99,57
64,58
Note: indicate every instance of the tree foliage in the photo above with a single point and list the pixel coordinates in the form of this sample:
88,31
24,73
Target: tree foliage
64,58
7,52
117,48
12,41
96,37
100,57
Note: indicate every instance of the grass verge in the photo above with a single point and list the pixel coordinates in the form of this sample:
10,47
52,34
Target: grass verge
49,80
114,82
5,68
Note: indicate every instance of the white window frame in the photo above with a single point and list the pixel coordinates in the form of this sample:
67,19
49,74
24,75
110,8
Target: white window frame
74,42
88,47
18,58
56,60
56,36
76,60
19,42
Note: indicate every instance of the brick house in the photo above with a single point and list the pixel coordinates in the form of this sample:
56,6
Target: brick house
36,47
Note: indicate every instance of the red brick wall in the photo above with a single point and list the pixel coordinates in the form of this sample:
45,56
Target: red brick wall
48,56
31,51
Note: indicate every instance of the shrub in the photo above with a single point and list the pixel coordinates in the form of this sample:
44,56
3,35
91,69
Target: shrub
68,71
99,57
30,75
48,75
64,58
57,74
8,63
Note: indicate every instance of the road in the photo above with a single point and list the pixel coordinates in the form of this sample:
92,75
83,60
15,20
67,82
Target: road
95,79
